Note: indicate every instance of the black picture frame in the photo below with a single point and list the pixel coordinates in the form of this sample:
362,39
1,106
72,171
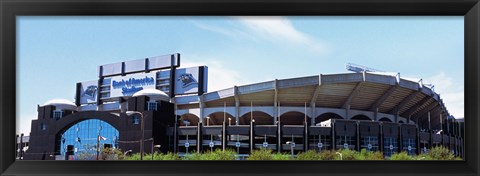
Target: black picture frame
9,9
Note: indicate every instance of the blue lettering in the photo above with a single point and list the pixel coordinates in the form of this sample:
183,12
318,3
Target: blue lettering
130,91
132,82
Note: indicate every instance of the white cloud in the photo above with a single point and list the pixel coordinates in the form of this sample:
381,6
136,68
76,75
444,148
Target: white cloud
450,91
278,30
231,32
219,77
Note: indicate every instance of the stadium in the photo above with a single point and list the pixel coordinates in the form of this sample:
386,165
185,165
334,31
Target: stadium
169,108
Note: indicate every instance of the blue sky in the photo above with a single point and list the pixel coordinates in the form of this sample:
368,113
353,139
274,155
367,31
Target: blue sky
54,53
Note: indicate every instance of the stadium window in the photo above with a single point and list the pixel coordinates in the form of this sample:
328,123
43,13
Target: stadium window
152,106
136,120
43,126
57,114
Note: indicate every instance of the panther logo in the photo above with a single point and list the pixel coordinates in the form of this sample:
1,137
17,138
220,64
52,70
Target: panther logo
187,79
91,91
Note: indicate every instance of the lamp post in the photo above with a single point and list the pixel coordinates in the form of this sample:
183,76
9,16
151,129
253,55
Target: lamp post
52,156
338,153
141,129
98,143
291,147
125,153
155,146
229,121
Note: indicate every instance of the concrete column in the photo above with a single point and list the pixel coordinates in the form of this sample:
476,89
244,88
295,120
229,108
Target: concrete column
275,101
275,112
237,106
199,137
252,136
279,137
347,112
333,135
358,136
314,113
305,137
202,107
381,138
224,137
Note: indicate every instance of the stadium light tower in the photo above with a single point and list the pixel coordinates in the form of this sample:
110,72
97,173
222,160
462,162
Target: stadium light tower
360,68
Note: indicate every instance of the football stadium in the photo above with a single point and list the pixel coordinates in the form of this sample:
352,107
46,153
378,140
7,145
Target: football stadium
154,105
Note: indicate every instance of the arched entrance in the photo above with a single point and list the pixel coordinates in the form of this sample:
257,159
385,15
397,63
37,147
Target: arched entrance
216,118
361,117
294,118
327,116
189,119
384,119
260,118
84,138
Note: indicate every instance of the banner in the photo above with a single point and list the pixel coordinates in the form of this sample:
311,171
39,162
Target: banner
88,92
188,80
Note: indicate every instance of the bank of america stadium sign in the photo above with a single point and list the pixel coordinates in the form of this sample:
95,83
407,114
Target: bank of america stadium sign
130,84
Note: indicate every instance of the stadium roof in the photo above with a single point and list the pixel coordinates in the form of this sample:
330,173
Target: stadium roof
359,91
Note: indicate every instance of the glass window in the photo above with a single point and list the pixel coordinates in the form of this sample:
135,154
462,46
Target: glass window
409,145
43,126
152,106
390,146
57,114
136,120
370,143
84,135
344,142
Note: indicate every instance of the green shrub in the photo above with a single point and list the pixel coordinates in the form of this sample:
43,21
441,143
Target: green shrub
401,156
436,153
219,154
369,155
133,156
423,156
193,156
309,155
262,154
168,156
329,155
156,156
348,154
441,153
112,154
282,156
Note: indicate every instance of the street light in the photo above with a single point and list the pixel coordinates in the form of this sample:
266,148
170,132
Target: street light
208,120
155,146
98,143
129,113
291,147
341,156
229,121
125,153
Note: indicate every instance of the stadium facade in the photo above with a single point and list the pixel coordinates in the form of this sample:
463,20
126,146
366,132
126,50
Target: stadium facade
168,108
